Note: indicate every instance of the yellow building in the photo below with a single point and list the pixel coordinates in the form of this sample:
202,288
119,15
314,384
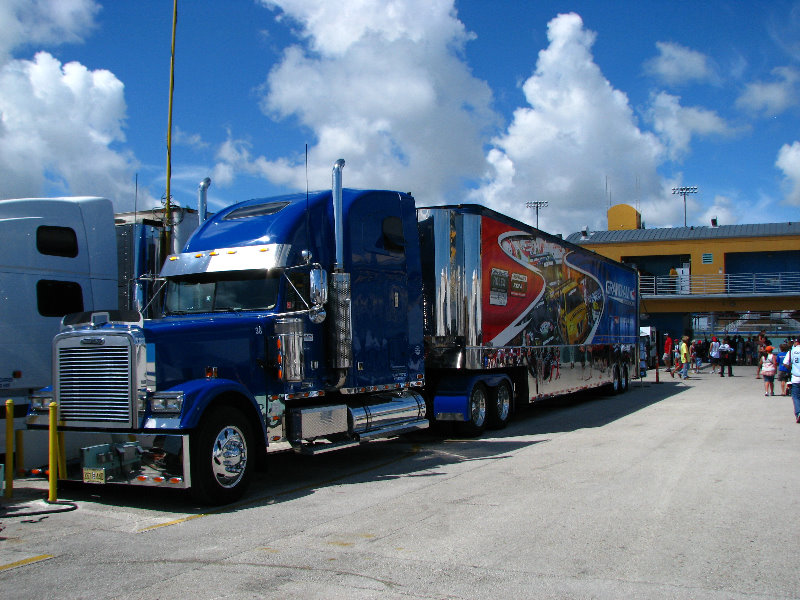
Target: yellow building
737,275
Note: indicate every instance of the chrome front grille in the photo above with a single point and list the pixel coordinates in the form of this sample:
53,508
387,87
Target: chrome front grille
94,383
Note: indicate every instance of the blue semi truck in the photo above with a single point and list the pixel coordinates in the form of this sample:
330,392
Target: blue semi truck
319,321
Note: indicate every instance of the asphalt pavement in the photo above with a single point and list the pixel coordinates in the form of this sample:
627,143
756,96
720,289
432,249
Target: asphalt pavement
676,489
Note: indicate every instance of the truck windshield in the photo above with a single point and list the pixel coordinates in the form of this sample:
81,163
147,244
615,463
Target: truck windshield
220,292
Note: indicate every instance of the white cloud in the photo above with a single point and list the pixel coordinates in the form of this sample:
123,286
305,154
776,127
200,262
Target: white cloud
725,210
772,98
34,22
575,141
789,162
60,124
677,124
678,65
418,117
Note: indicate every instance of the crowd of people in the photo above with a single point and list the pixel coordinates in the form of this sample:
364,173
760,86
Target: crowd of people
781,362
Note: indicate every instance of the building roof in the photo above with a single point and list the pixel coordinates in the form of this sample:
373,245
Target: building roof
668,234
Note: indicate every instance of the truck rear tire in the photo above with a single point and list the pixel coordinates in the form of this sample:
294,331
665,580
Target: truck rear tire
220,453
499,405
624,380
615,380
476,411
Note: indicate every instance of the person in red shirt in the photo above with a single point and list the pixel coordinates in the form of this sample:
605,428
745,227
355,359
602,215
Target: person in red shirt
668,351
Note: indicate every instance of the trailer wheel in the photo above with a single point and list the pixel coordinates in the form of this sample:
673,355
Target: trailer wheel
499,405
615,383
624,382
476,407
220,453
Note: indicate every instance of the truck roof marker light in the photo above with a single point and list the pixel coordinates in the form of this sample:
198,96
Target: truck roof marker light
175,479
231,251
263,249
213,253
173,258
141,478
276,438
159,479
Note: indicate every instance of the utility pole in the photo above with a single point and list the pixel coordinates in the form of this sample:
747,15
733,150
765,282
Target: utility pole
167,233
537,204
683,191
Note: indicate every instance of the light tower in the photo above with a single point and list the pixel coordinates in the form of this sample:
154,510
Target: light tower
537,204
683,191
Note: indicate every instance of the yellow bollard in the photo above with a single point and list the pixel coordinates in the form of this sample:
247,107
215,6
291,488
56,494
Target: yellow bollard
62,458
9,448
53,451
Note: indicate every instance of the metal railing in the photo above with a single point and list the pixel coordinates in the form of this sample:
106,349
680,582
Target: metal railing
746,284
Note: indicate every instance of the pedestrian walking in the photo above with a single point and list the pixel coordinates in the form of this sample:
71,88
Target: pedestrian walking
768,368
684,354
792,360
725,358
783,371
714,353
668,352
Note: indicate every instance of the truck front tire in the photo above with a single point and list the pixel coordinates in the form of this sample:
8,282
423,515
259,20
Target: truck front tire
221,461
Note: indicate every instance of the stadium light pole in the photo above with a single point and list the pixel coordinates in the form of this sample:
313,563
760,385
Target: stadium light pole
537,204
683,191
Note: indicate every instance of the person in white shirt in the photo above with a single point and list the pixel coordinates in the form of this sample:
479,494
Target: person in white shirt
713,352
793,359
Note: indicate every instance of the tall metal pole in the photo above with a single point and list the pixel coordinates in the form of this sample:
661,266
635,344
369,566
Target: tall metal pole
537,204
167,206
683,191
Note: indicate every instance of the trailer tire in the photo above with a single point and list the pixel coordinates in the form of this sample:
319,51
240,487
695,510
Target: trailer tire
625,381
477,411
220,453
615,381
500,399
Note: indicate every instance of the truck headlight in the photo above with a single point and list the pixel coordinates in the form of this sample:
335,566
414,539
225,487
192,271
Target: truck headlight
40,401
166,402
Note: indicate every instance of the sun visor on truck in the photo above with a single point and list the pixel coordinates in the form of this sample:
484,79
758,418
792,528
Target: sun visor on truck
243,258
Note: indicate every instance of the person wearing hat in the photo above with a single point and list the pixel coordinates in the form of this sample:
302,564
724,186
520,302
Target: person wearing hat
725,358
768,368
793,360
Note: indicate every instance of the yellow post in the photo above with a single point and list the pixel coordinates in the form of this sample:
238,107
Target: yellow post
62,457
9,448
53,463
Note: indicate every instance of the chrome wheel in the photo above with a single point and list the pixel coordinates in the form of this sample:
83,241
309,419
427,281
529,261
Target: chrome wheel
500,405
229,456
477,406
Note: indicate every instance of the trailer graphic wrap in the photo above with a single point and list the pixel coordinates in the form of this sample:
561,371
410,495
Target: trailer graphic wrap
538,292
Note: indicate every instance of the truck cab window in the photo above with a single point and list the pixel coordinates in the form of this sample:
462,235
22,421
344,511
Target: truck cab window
221,292
58,298
297,288
57,241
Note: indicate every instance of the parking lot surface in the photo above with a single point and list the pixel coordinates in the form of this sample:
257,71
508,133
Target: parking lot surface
676,489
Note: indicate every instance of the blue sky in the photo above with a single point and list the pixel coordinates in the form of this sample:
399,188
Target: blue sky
581,104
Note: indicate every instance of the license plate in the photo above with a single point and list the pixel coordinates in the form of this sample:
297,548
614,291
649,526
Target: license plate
94,475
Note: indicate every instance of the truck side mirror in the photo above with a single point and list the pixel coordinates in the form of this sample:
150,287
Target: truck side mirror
319,286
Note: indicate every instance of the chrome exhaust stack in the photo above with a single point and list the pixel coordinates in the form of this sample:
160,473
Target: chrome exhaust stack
341,328
202,200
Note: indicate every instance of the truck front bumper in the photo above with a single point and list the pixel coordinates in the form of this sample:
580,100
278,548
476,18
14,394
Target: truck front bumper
124,458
